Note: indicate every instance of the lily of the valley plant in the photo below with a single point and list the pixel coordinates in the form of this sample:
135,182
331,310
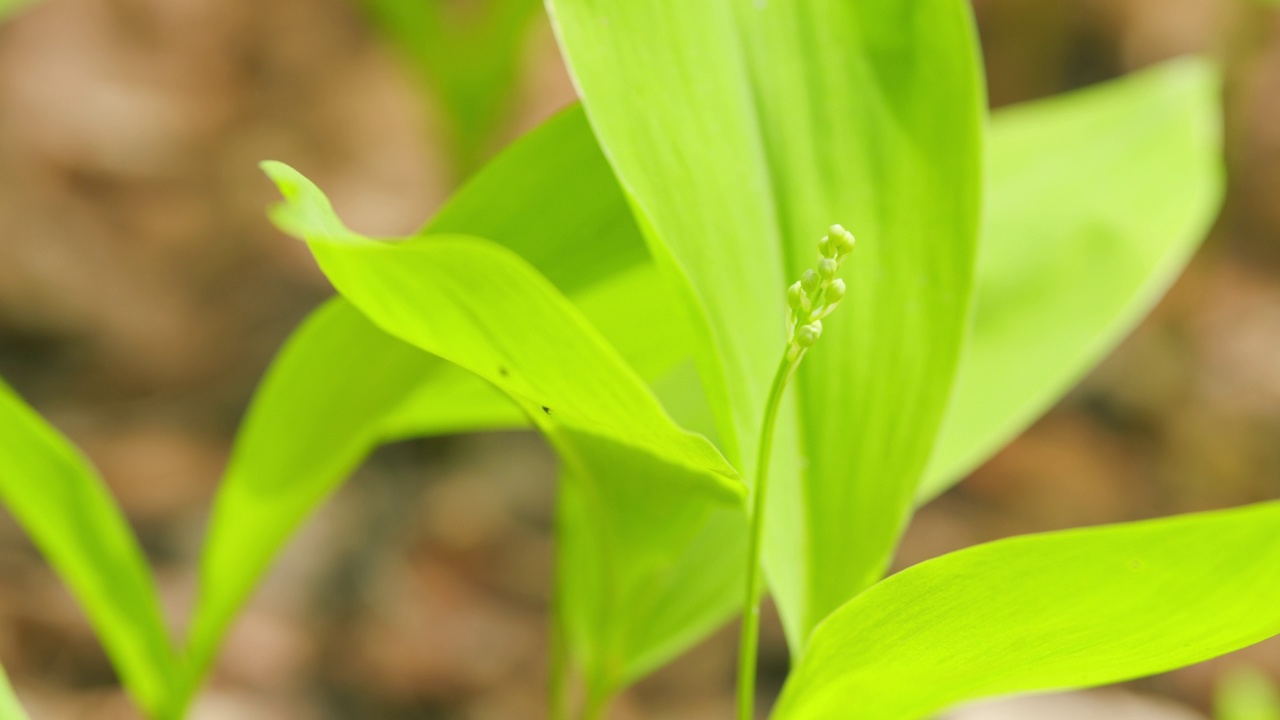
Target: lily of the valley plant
619,281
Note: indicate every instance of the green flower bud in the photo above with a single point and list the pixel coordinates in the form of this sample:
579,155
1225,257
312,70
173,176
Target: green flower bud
796,299
827,268
835,292
807,335
810,281
824,247
840,240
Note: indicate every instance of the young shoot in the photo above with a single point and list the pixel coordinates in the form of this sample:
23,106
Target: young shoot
810,299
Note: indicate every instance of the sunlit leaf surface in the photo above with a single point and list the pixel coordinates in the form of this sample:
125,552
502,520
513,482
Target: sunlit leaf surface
1045,612
740,131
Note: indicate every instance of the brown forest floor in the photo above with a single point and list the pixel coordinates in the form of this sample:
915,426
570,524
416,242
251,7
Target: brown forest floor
142,294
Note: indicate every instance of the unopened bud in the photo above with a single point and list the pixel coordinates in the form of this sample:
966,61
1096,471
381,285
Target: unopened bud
835,292
825,248
807,335
827,268
810,281
796,298
841,241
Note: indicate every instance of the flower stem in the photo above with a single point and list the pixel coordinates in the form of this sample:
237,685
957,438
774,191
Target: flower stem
750,635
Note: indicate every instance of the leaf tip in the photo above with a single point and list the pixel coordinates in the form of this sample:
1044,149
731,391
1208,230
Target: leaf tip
305,212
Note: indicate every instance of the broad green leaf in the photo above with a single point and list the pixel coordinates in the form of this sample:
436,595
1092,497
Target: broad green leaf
639,489
10,708
466,55
1096,201
648,333
741,130
662,85
1045,612
1247,694
540,198
66,509
444,400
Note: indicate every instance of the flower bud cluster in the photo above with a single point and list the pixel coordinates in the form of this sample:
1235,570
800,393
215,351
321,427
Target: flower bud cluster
818,291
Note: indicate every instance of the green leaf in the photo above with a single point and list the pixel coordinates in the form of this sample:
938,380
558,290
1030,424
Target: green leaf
649,334
542,196
10,708
66,509
466,55
1045,612
640,488
1247,694
1097,200
741,130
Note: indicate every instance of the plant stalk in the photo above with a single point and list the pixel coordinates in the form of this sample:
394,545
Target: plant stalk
749,638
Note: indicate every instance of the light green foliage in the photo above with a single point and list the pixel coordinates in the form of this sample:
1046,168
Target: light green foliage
1247,694
10,709
341,385
324,406
737,129
466,54
810,300
560,173
569,194
650,335
639,489
62,504
1045,612
1096,200
740,129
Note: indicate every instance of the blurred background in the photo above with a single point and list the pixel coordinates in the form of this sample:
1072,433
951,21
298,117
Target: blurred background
142,294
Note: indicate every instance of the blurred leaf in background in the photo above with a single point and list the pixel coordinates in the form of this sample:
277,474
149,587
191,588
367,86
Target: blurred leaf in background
1096,200
466,55
69,513
1247,694
9,7
10,709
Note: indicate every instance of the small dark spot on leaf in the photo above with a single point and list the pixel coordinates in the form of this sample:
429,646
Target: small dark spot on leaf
503,372
1135,564
546,409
